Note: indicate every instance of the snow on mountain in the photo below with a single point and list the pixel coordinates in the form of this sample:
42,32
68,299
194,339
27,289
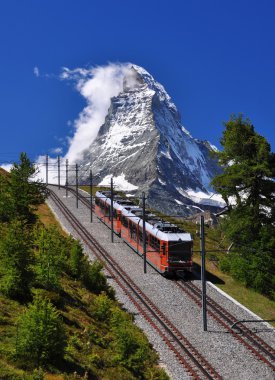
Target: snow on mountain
144,146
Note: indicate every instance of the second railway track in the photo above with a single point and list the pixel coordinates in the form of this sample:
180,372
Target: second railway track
192,360
251,341
245,336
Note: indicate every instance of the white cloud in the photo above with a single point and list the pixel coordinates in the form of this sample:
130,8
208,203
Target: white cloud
57,150
97,85
36,71
52,169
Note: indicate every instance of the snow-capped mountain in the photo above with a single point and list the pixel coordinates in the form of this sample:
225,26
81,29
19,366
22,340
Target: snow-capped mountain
144,146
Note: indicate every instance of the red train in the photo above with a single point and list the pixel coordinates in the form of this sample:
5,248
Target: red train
169,249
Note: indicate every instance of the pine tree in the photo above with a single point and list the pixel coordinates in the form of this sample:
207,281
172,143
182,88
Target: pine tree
15,260
26,193
248,188
76,259
6,201
41,336
50,257
248,167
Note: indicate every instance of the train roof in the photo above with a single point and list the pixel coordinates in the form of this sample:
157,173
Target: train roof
159,228
162,230
118,203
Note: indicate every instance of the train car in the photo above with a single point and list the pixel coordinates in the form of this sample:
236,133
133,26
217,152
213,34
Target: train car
103,209
169,249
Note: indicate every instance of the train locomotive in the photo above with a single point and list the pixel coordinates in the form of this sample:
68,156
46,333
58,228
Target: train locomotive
169,249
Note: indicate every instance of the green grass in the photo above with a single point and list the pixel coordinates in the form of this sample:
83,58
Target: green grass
257,303
90,340
92,336
46,217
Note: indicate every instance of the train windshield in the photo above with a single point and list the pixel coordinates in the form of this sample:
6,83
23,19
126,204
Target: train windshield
180,250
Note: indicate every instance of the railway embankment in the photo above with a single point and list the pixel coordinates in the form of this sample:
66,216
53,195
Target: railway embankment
225,352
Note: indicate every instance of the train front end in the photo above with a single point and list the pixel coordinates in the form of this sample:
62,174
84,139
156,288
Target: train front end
180,253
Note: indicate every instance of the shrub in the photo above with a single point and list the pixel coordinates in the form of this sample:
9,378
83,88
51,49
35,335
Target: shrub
76,259
224,264
92,276
15,261
41,336
130,347
50,257
102,307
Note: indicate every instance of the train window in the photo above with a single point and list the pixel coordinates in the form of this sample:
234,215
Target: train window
124,221
163,249
97,201
149,237
155,243
181,250
133,231
140,235
108,212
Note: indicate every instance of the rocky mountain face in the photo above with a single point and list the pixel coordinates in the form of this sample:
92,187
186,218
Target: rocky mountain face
144,146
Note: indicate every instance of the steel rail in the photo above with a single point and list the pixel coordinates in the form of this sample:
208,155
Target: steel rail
144,304
255,340
224,318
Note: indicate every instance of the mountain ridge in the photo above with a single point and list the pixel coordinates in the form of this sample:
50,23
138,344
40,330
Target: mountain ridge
143,141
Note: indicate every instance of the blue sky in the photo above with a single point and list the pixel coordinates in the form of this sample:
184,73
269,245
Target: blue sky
214,58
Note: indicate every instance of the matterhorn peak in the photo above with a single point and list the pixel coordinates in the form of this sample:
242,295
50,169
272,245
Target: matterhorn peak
133,80
143,144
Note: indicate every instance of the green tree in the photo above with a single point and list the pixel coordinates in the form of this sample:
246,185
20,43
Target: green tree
248,168
76,259
248,188
93,278
25,192
102,307
41,336
6,202
130,347
50,257
16,258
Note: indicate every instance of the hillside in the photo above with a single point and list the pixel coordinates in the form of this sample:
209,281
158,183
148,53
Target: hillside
58,316
90,322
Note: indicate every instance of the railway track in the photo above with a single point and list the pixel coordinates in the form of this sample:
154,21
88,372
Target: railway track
193,362
245,336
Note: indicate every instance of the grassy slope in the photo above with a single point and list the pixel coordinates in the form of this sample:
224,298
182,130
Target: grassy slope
254,301
76,307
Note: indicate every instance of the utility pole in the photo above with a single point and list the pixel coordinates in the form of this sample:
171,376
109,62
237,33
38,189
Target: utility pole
91,192
58,167
144,233
203,280
47,168
67,169
76,183
111,211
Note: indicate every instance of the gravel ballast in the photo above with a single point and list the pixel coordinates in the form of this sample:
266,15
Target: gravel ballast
228,356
